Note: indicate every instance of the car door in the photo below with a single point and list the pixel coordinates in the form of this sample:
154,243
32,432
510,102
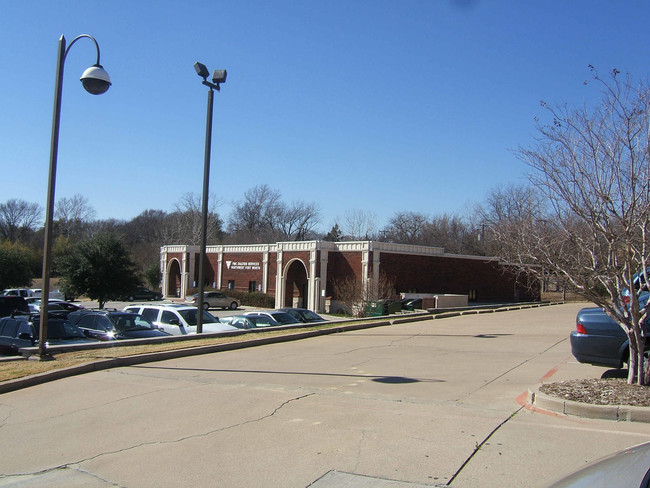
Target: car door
172,324
87,326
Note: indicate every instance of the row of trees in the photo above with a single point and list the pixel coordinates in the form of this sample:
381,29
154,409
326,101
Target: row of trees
260,216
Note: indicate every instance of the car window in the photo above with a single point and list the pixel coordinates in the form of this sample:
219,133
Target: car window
10,329
103,323
311,315
167,317
142,323
240,323
87,322
24,327
59,329
262,320
283,318
151,314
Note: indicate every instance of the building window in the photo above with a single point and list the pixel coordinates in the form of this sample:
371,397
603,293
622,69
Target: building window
231,284
252,286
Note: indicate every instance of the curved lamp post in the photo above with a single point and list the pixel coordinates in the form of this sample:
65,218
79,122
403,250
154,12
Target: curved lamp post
96,81
218,76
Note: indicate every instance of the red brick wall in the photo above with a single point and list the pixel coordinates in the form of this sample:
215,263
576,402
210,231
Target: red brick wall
432,274
342,265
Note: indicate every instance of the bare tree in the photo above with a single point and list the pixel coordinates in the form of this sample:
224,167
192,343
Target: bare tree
298,220
73,215
262,216
256,218
355,295
447,231
17,215
360,225
406,228
185,223
592,167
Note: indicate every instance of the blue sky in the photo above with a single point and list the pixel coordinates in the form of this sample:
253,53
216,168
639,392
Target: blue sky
380,106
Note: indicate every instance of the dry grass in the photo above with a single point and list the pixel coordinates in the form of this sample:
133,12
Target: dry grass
20,368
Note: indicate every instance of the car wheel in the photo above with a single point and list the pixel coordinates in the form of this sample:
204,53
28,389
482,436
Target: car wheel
233,306
206,306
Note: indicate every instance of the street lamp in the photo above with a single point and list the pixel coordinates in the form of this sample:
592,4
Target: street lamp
218,76
95,81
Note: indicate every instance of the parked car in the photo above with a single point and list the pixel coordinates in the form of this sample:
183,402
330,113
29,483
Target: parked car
23,331
627,468
10,305
141,293
282,318
17,292
178,319
108,325
249,321
214,299
599,340
411,304
302,315
54,294
52,305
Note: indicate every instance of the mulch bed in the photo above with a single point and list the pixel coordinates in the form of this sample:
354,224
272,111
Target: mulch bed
610,391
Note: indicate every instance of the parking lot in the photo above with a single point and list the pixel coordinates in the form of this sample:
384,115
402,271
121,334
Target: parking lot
434,403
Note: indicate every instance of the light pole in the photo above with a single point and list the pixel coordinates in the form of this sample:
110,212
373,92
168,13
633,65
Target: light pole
218,76
96,81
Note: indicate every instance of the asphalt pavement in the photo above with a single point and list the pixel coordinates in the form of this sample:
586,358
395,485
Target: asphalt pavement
427,403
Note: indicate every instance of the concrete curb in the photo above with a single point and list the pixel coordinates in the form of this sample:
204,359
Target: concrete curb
98,365
549,403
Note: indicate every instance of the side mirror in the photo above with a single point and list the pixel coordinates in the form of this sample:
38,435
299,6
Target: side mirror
174,322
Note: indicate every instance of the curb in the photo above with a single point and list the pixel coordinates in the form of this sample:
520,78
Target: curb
626,413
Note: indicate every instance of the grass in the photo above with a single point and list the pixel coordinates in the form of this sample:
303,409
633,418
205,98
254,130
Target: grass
10,370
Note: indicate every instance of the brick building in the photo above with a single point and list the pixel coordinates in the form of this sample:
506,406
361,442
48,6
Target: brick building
302,273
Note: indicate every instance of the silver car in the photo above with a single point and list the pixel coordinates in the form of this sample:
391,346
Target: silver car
214,299
627,468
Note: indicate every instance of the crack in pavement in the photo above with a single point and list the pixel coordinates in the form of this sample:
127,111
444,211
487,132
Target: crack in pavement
71,464
480,445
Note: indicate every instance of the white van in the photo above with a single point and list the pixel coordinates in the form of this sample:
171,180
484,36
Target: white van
179,319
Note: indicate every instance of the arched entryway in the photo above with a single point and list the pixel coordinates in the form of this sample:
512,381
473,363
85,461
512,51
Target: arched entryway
295,284
173,279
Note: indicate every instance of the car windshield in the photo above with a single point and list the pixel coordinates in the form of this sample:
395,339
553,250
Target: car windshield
283,318
63,329
309,315
131,322
261,320
190,316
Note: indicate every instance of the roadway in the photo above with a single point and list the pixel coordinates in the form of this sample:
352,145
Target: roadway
429,403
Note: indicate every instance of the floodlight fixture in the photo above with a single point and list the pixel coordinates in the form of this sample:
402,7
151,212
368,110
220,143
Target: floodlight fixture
219,76
201,70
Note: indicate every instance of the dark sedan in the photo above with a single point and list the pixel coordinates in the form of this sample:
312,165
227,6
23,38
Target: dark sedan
22,331
141,293
108,325
303,315
598,340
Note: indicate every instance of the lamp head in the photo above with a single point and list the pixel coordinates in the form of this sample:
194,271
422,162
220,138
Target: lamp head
95,80
201,70
219,76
